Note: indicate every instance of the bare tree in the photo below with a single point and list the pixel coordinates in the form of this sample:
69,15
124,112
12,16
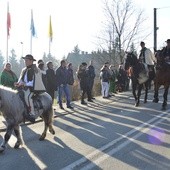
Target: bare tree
124,24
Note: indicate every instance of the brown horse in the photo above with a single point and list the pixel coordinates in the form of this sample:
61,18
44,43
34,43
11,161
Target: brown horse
138,76
162,78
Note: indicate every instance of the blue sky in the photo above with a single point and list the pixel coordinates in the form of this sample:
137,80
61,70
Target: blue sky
73,21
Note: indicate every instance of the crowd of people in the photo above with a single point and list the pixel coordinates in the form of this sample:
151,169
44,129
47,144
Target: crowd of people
40,78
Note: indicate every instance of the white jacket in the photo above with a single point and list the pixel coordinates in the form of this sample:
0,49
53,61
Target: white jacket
149,57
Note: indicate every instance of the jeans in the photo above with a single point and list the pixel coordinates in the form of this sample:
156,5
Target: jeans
105,89
65,89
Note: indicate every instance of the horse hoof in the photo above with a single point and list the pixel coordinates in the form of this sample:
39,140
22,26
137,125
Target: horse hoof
2,148
52,131
137,104
163,108
42,138
155,100
17,145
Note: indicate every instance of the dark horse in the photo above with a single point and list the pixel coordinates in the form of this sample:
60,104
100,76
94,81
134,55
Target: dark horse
13,110
162,78
138,75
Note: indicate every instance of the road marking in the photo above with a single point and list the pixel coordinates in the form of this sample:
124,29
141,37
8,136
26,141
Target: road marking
105,156
110,144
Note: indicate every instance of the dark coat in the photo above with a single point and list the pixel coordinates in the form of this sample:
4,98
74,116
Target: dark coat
91,72
61,76
70,76
50,80
83,77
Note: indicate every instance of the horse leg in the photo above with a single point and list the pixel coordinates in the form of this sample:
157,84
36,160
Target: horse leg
156,93
42,137
138,95
6,137
134,86
146,92
165,98
47,117
51,130
18,135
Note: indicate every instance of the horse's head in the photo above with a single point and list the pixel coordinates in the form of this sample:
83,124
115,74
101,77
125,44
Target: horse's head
130,60
159,56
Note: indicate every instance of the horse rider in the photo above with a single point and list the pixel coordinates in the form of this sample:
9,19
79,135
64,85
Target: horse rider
31,81
166,54
147,57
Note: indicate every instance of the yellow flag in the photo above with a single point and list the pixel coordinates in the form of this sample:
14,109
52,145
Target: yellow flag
50,31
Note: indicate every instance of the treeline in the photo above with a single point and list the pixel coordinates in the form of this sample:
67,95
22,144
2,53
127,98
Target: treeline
18,63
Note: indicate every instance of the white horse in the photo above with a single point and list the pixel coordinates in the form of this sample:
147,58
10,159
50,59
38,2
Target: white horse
13,110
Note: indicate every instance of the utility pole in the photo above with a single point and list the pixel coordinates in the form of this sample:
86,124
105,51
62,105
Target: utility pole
155,29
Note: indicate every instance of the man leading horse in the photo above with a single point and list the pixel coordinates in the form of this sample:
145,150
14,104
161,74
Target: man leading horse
147,57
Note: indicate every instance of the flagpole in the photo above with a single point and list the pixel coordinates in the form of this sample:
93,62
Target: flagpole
31,44
32,28
8,30
7,48
50,33
49,46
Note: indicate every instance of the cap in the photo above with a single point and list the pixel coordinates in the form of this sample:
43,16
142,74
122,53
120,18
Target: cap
29,56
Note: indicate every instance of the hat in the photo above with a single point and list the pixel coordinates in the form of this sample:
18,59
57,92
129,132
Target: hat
29,56
168,41
84,64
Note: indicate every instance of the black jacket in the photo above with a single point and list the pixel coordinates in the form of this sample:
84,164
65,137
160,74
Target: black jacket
50,80
61,76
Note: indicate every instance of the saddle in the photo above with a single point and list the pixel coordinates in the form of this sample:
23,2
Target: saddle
143,74
38,107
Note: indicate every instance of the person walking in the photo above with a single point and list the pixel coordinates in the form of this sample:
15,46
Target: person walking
83,77
62,84
112,80
70,79
105,77
51,85
92,75
8,77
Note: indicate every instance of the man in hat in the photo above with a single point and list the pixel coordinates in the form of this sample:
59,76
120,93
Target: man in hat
166,53
30,83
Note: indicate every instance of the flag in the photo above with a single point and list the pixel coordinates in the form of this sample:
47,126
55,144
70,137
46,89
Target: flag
32,27
50,31
8,20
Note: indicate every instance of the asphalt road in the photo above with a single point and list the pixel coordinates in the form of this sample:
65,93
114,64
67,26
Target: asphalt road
107,134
